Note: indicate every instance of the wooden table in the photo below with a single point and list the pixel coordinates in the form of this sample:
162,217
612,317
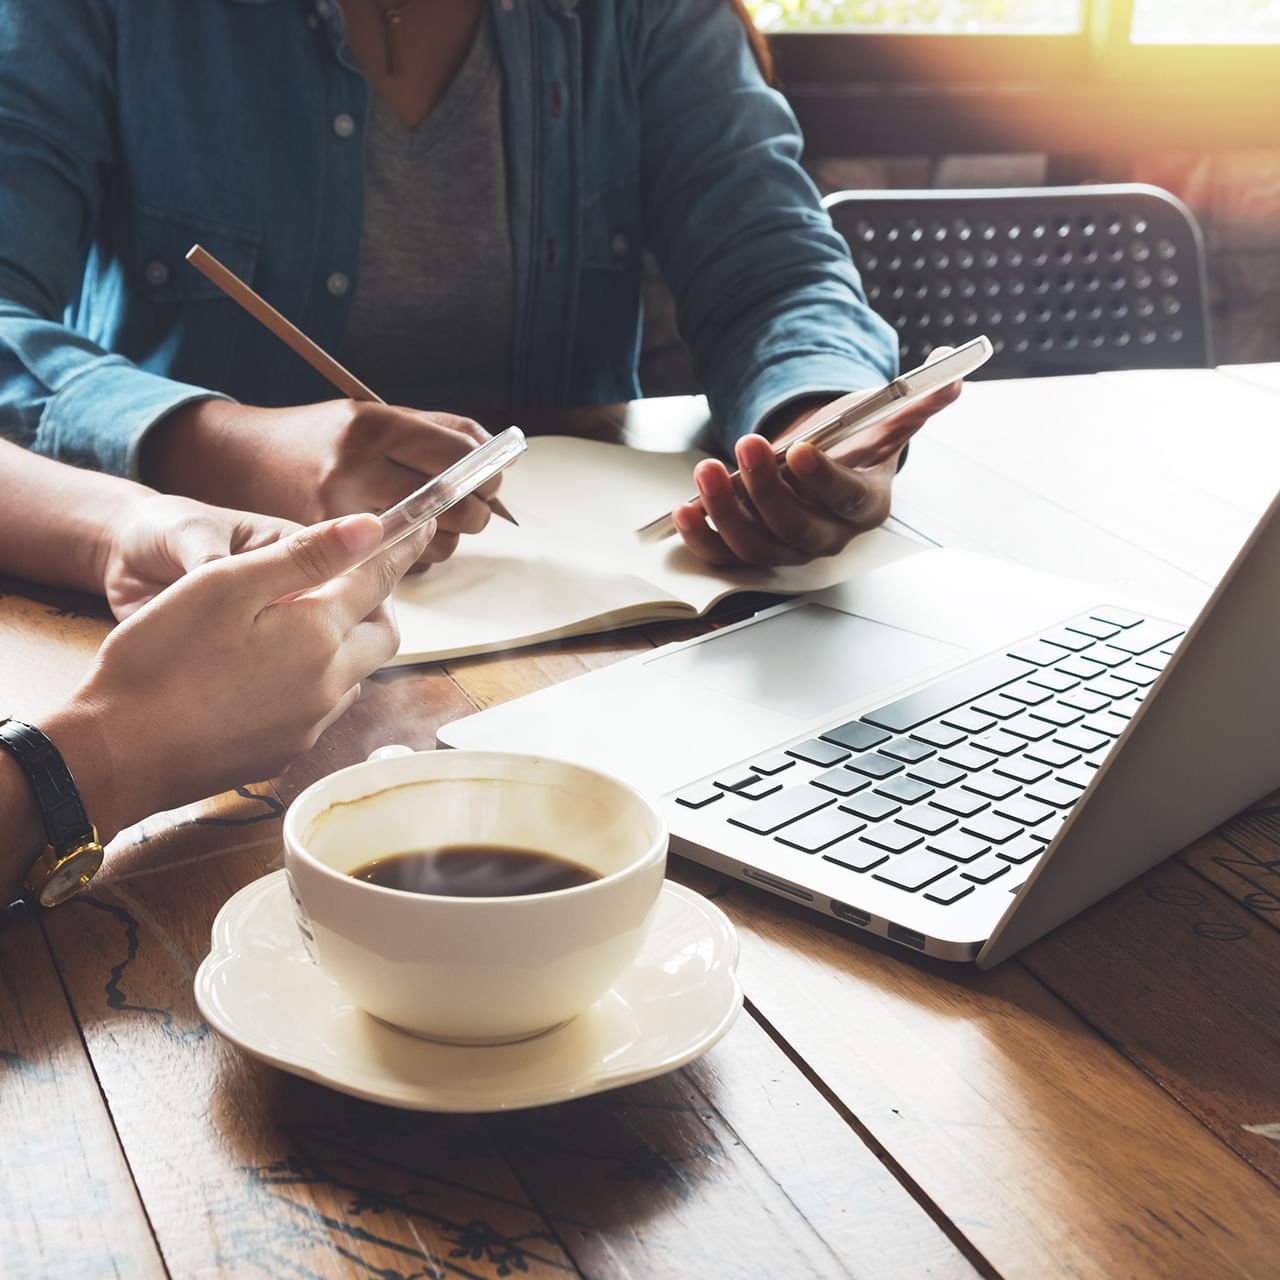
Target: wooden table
1107,1104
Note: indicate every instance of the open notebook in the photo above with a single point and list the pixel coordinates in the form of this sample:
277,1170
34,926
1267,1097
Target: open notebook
574,565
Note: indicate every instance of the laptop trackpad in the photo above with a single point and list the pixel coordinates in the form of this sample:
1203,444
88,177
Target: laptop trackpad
805,661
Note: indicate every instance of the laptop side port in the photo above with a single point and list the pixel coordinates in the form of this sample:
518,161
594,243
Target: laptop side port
781,886
843,911
908,936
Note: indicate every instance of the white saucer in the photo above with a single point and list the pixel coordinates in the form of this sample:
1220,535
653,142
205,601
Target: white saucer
259,988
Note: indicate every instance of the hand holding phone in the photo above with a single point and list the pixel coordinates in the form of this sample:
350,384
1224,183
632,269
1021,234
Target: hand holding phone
858,411
452,485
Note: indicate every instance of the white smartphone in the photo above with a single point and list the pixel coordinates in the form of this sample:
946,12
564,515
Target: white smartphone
448,488
859,410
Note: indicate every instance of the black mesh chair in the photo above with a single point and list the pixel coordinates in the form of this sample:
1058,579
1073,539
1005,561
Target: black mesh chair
1061,279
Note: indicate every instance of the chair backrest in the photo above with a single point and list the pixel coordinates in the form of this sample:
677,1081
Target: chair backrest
1061,279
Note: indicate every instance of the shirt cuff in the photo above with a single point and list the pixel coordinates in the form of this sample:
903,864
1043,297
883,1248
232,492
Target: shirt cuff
101,418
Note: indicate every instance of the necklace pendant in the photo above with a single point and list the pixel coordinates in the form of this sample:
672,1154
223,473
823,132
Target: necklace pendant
391,31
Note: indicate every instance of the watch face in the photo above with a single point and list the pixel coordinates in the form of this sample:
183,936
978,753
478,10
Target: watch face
70,876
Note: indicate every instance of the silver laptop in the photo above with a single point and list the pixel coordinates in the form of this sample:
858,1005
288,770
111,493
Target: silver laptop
952,752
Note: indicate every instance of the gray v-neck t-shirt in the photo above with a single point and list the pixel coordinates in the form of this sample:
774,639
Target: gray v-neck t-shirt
430,325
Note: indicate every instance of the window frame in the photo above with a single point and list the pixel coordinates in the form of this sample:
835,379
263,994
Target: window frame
1091,91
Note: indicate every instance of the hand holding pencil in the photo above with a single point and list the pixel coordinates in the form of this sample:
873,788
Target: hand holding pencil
313,461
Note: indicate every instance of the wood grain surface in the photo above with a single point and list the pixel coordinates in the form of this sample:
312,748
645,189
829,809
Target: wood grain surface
1099,1106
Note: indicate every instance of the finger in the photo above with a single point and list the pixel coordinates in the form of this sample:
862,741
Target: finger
199,541
705,543
340,709
859,499
371,644
300,562
783,509
439,549
742,533
252,531
358,594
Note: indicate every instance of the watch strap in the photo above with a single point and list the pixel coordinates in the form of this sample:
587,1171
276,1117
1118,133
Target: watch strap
66,824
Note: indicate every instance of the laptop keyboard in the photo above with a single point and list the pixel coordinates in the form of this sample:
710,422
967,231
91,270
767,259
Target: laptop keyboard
957,788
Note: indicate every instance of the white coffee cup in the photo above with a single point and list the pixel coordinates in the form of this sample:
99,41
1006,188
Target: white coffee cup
463,969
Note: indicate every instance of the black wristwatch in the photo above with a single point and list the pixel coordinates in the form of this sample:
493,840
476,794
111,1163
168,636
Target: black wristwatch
73,853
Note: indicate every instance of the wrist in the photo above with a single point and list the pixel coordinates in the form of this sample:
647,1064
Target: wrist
190,451
23,831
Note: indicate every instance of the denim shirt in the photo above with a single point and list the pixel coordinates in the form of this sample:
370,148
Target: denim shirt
129,131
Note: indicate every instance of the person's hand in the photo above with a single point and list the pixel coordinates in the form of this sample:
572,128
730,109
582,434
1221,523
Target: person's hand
814,508
155,539
315,461
229,673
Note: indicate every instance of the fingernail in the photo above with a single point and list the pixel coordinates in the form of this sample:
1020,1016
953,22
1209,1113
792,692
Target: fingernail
803,459
710,481
752,452
359,534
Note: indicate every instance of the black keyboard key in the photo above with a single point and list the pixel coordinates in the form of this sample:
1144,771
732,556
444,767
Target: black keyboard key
767,816
992,785
1080,668
1021,849
743,777
1148,634
908,790
1060,795
936,773
773,764
760,788
871,807
958,846
820,830
875,765
928,818
894,837
914,870
939,735
968,719
908,750
994,830
856,855
815,751
855,735
699,797
841,782
945,892
1023,769
953,691
1025,810
963,803
967,757
985,869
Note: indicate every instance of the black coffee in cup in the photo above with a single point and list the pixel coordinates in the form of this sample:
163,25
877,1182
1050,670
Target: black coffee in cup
474,871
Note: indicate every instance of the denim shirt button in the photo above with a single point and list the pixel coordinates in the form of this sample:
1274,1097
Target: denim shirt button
337,284
343,125
619,244
156,273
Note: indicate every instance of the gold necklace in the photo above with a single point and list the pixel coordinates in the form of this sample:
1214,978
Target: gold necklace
392,16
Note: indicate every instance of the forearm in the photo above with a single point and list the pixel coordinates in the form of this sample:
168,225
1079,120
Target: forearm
55,521
110,802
